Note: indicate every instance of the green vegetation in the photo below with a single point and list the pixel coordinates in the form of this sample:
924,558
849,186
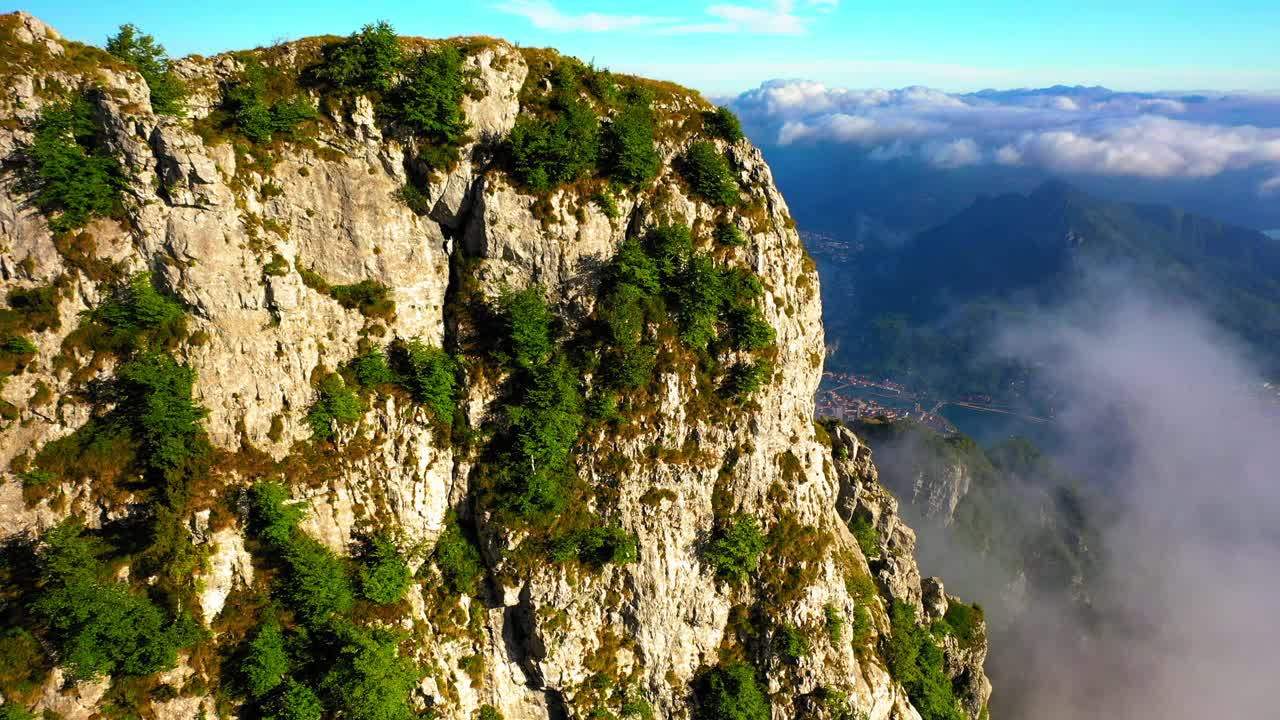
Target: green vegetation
916,662
715,308
722,123
148,56
99,626
865,533
261,105
734,551
153,396
964,622
369,679
728,234
458,559
422,92
297,702
863,591
137,314
34,309
607,204
370,297
834,623
746,379
790,643
335,402
542,416
430,375
628,151
546,152
317,582
708,174
72,175
1021,509
266,661
274,517
384,573
559,137
597,547
13,711
730,692
330,665
367,61
371,370
429,102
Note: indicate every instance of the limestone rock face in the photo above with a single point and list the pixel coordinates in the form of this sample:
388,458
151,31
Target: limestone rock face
233,236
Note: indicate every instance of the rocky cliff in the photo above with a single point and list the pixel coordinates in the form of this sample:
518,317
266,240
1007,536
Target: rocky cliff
414,334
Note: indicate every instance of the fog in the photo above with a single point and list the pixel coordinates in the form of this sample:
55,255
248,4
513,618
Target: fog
1164,415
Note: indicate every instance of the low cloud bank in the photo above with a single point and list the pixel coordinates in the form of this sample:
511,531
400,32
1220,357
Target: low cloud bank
1163,413
1060,129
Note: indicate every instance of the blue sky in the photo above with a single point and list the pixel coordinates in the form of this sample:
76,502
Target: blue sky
724,47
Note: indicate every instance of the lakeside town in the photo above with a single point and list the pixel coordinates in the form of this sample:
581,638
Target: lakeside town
847,396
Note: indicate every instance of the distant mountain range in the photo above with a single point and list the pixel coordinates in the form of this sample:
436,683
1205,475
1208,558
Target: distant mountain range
925,307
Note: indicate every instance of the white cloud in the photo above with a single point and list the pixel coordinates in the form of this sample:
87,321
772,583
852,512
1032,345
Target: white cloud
1270,187
779,19
954,154
775,17
546,16
1071,130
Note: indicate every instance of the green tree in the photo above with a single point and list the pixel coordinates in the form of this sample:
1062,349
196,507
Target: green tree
597,546
630,156
370,680
98,626
153,392
545,152
297,702
274,516
335,402
458,559
699,293
68,170
727,233
670,247
915,661
708,174
254,114
318,584
730,692
371,369
429,101
13,711
735,550
148,56
528,325
633,266
747,378
384,574
790,643
266,662
430,375
545,425
370,297
367,61
723,124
